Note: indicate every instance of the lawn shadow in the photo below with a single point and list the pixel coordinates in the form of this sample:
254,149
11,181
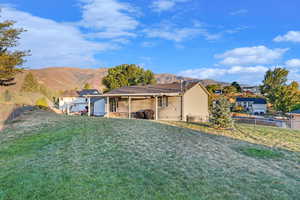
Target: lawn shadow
10,113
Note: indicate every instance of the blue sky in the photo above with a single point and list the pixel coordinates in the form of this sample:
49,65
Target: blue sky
229,40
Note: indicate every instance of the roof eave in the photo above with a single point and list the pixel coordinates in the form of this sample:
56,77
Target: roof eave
143,94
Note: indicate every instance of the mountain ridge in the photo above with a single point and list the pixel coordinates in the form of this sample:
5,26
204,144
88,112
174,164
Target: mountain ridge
66,78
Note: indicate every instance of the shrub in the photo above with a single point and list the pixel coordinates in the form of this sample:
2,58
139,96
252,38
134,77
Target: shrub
145,114
149,114
42,103
221,117
238,109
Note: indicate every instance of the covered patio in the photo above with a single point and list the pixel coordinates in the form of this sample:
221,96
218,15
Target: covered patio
126,106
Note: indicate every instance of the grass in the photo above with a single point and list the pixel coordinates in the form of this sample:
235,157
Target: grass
260,153
269,136
48,156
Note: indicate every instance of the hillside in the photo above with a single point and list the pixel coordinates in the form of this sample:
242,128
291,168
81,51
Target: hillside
48,156
65,78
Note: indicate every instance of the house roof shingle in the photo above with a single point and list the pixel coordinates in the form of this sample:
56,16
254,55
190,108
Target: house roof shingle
89,92
254,100
295,112
74,93
153,89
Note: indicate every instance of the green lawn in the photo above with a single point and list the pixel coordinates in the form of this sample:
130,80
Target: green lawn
269,136
46,156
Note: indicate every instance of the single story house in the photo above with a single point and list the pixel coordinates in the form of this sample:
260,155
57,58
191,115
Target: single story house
295,119
175,101
87,100
252,105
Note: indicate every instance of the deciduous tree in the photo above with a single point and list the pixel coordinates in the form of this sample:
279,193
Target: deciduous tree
281,95
213,88
229,90
128,75
237,86
287,97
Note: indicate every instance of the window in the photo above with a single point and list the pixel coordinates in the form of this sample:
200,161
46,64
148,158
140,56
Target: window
163,102
113,104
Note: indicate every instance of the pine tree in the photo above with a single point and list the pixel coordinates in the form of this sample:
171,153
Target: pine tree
7,96
30,84
221,117
10,58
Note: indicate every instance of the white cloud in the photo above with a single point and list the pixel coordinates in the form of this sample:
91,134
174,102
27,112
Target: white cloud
291,36
147,44
250,56
171,32
239,12
293,63
108,18
164,5
204,73
251,74
246,70
52,43
236,29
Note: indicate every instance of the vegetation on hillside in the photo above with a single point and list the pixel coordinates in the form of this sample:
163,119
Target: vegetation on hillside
7,96
128,75
87,86
30,83
10,58
98,158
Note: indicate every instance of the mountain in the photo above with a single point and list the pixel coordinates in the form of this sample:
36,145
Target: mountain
169,78
66,78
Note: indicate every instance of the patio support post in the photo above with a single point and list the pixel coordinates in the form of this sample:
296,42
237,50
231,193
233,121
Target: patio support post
156,108
107,107
68,109
129,107
89,106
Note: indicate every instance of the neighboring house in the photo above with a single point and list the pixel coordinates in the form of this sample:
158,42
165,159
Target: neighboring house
218,92
175,101
251,89
73,101
252,105
295,119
